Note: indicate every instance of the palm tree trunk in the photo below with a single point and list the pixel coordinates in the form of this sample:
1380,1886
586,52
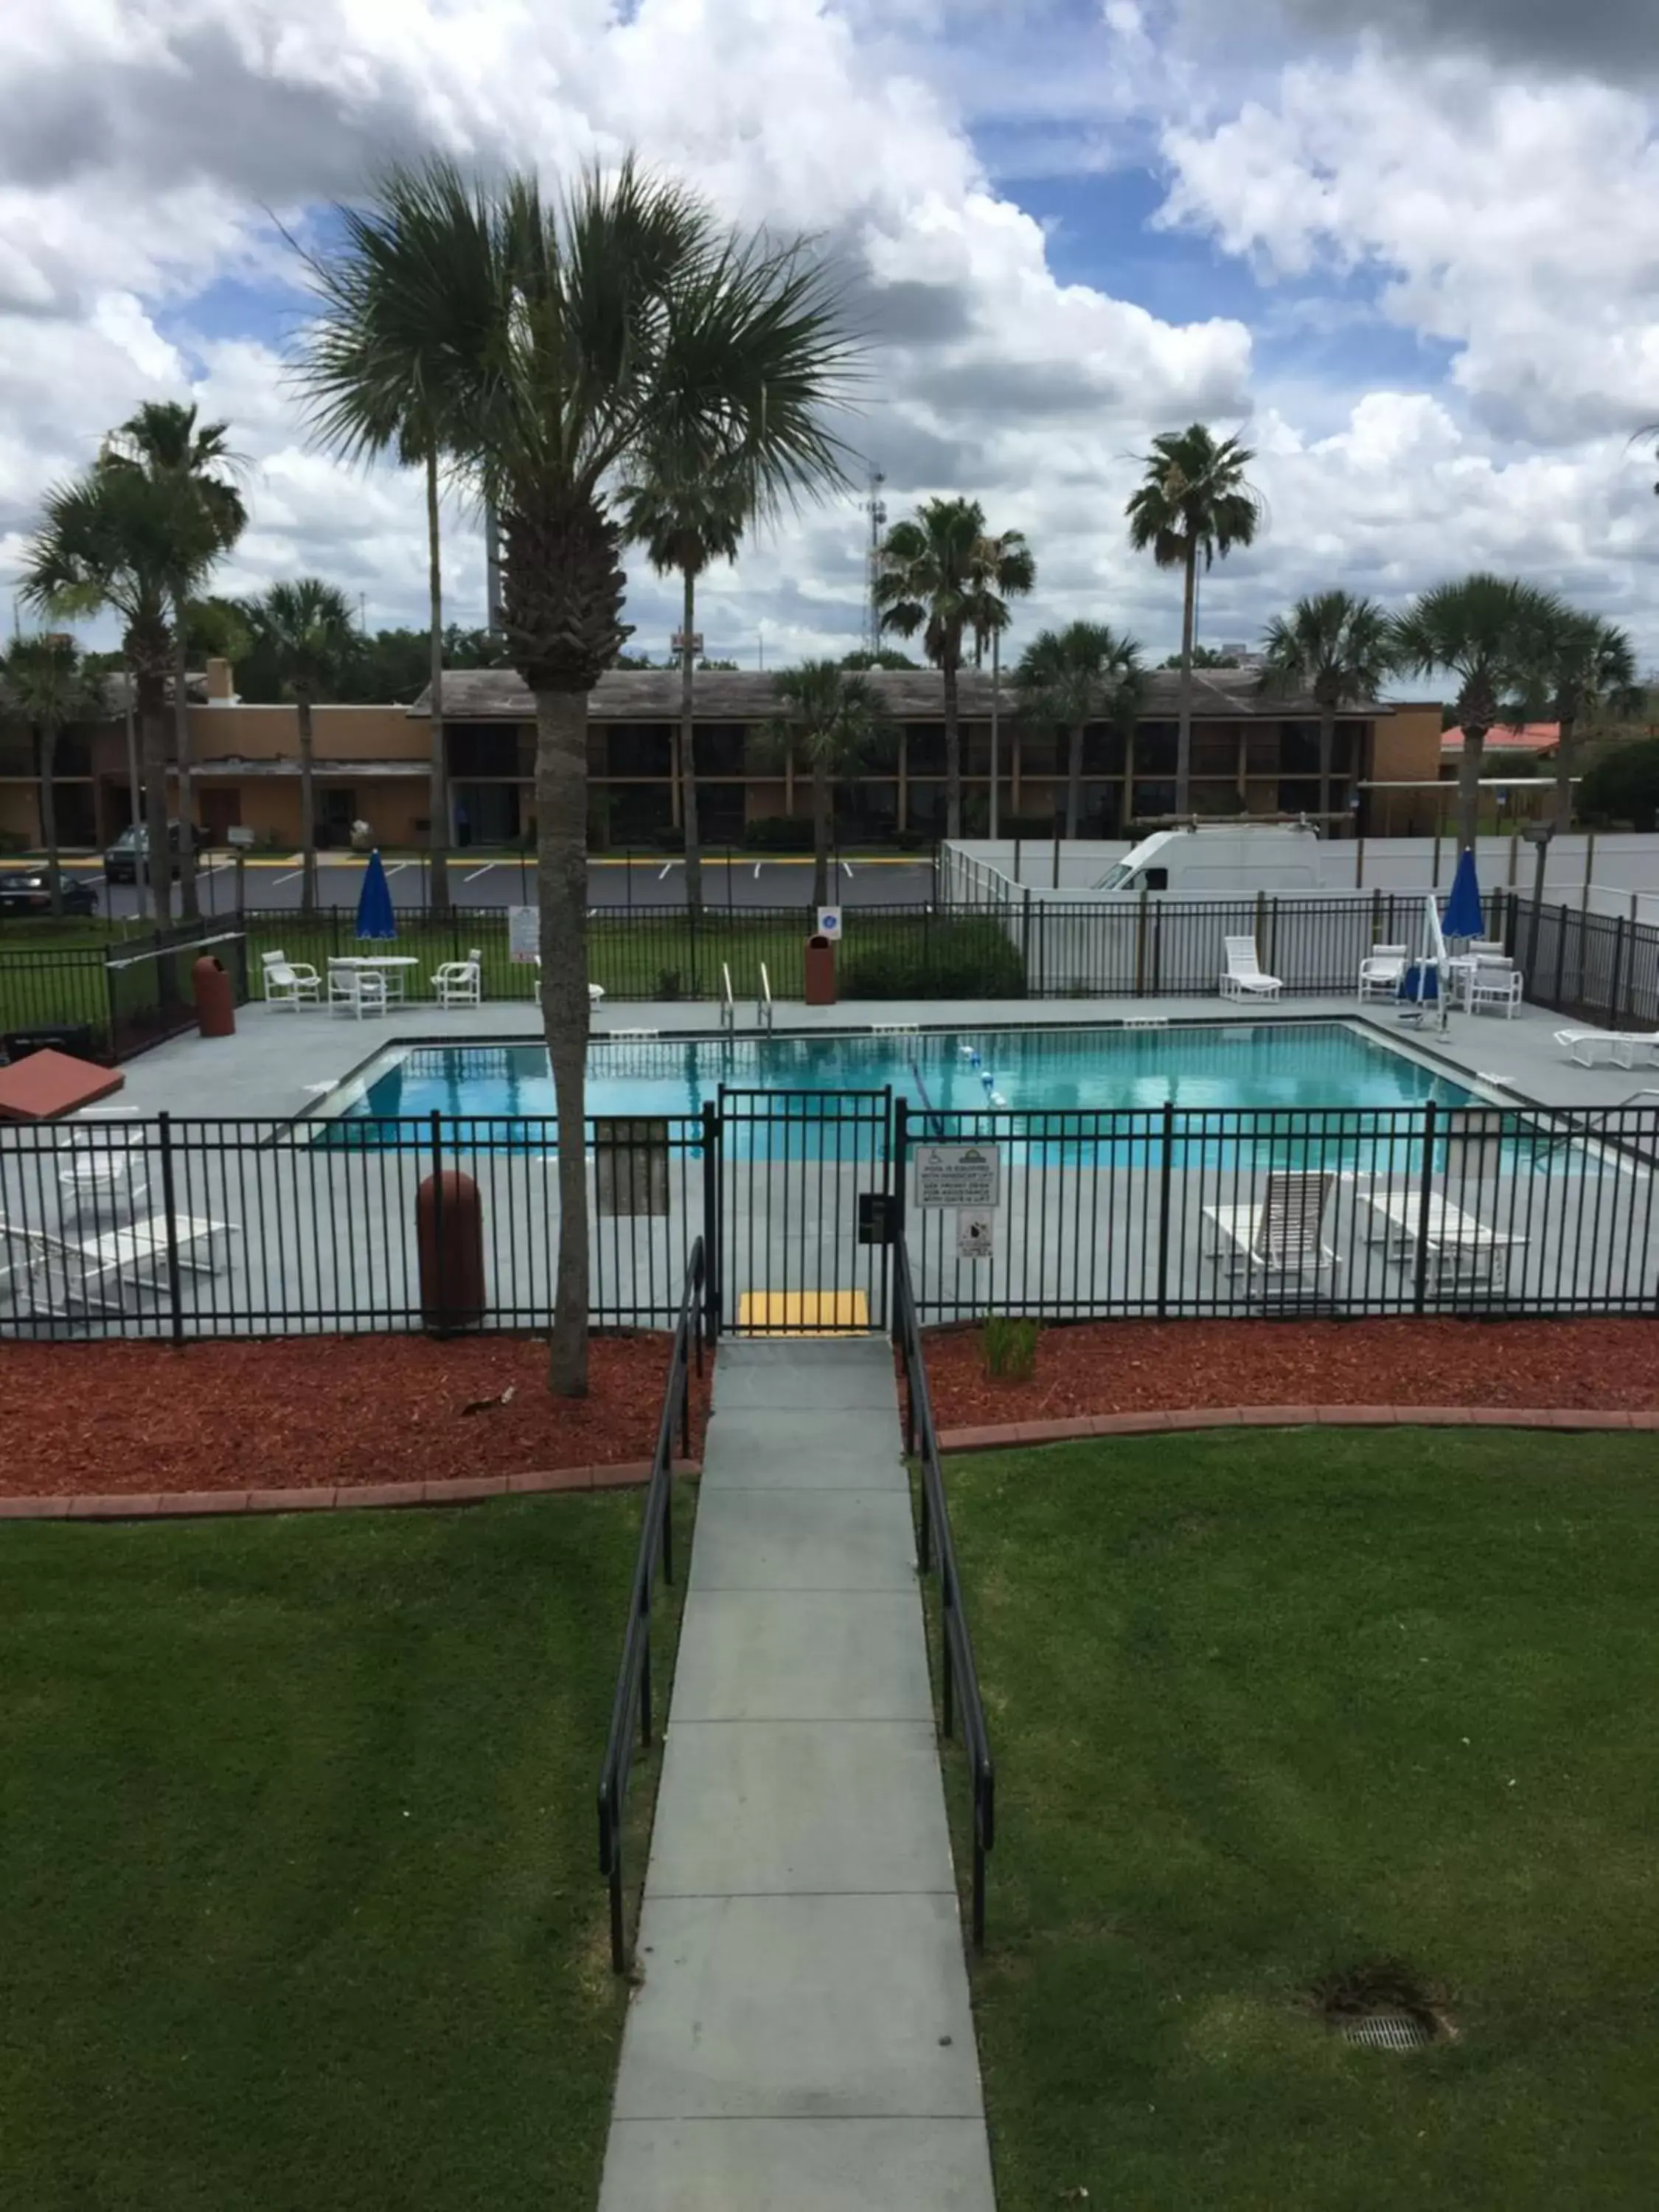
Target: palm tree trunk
1184,735
820,831
152,721
1468,786
1564,749
689,757
308,805
438,793
1074,779
48,741
1327,755
562,890
953,748
189,905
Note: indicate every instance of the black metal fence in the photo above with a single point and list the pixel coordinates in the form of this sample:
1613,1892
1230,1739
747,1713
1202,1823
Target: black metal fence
1602,968
188,1228
110,1001
959,1674
632,1696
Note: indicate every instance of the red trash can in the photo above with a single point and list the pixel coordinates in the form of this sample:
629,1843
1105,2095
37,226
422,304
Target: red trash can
449,1233
820,972
215,1002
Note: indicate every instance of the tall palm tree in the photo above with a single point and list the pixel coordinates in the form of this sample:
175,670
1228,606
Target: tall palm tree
577,337
43,685
307,628
114,537
1087,672
687,511
163,442
1484,630
1339,648
382,365
835,719
942,573
1585,668
1193,500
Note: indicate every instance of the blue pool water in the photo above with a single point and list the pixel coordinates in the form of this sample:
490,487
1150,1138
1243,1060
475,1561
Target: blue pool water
1315,1065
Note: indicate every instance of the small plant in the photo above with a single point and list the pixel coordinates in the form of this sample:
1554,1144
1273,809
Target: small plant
1009,1348
668,983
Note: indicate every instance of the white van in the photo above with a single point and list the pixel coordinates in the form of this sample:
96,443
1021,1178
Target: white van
1220,857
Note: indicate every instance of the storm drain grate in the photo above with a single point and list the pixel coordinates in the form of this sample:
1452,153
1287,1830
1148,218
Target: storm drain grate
1388,2031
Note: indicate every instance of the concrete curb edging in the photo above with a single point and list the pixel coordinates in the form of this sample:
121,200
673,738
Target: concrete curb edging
1001,1436
465,1490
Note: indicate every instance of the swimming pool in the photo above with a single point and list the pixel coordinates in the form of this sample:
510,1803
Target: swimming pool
1195,1068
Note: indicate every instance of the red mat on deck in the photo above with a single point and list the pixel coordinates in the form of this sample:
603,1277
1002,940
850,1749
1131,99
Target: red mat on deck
48,1084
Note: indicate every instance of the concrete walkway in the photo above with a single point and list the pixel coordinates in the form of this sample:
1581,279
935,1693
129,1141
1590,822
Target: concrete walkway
803,2035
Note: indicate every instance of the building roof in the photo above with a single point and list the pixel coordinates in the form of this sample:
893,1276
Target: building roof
285,764
479,695
1531,737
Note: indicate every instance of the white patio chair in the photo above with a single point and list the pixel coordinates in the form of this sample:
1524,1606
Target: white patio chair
1380,972
289,982
1244,978
1591,1046
59,1275
595,991
1494,986
355,991
1279,1238
1460,1246
103,1173
460,982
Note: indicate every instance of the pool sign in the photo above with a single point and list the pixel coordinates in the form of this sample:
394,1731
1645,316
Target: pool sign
969,1176
524,935
975,1236
830,923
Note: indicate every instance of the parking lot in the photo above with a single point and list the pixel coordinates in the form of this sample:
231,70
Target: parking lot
737,879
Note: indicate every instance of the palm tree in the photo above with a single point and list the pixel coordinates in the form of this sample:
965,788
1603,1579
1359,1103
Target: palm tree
1486,630
398,309
306,627
1083,674
687,513
571,339
43,685
1584,667
942,573
114,537
164,442
1194,499
1337,648
835,717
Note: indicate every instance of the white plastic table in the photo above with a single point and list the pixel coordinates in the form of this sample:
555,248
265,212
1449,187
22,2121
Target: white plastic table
390,966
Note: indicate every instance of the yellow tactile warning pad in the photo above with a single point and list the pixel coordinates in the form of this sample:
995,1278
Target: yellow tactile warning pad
805,1313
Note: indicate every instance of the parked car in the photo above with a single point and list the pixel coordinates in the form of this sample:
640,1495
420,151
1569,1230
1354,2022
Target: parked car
121,862
28,891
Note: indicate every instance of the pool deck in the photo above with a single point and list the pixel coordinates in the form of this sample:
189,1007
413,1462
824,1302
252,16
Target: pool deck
280,1063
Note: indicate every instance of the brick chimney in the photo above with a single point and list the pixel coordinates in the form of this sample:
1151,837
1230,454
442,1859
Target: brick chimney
221,682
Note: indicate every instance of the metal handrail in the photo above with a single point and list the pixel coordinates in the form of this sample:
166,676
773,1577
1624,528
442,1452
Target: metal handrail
765,1017
656,1542
728,1004
958,1673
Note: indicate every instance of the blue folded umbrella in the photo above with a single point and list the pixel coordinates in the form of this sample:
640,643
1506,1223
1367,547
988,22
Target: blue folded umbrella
375,916
1463,915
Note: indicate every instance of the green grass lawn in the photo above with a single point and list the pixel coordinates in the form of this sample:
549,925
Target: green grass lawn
298,1853
1271,1706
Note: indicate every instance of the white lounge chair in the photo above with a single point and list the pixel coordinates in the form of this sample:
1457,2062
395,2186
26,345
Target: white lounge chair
1380,972
289,982
460,982
1460,1246
1279,1238
57,1275
1494,985
355,991
1587,1047
1244,978
103,1173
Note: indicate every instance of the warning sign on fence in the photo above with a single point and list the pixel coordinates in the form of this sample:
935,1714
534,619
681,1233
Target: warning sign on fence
959,1175
524,935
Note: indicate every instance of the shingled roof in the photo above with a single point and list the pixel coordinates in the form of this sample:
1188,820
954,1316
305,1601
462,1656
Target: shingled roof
486,695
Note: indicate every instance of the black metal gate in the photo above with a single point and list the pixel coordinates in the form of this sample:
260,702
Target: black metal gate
802,1208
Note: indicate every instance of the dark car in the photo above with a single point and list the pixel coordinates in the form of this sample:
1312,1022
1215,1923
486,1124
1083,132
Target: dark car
121,862
28,891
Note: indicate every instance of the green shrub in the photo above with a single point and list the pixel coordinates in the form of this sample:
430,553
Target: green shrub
669,983
910,840
778,833
1009,1348
940,959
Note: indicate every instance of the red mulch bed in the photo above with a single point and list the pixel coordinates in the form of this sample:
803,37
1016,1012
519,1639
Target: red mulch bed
309,1413
1124,1367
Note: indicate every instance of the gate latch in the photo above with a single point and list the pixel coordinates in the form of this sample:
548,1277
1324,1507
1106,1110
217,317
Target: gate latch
875,1218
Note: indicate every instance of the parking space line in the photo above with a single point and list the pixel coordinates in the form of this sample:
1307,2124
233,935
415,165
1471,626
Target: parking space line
477,872
759,865
662,871
846,870
397,866
276,882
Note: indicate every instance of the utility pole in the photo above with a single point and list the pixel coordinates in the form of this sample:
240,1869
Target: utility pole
876,507
996,669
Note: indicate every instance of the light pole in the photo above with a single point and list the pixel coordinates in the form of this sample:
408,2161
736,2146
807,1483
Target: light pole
996,664
1539,834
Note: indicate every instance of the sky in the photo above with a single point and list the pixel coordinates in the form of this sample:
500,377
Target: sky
1407,249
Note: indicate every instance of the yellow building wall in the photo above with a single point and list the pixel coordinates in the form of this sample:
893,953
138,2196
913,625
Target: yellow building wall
242,732
19,812
1407,745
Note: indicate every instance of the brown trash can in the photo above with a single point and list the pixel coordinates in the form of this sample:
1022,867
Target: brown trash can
449,1233
215,1002
820,972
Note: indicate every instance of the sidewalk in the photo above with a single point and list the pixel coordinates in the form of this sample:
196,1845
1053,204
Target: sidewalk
803,2035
